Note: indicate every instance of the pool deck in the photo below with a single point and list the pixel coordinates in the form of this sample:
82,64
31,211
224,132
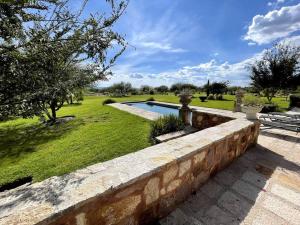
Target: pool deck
261,188
136,111
153,115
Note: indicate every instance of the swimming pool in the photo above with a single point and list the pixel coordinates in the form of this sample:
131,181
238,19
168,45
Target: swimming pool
164,110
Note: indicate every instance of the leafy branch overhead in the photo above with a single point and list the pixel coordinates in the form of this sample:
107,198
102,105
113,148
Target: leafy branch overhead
47,51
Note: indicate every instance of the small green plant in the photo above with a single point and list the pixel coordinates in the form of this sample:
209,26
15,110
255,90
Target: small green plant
108,101
150,99
165,124
250,100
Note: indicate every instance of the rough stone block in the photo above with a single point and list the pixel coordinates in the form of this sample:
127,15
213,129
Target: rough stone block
170,174
151,191
184,167
174,185
200,179
80,219
115,212
198,158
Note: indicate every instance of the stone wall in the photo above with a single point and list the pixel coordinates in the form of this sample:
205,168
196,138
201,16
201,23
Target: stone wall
202,120
138,188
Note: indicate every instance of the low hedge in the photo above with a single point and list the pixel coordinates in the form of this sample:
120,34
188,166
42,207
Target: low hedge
294,101
108,101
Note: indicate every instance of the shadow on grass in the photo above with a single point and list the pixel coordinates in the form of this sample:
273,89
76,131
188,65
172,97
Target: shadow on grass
73,105
17,141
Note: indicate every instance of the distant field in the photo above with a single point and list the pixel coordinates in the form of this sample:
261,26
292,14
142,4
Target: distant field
227,103
97,134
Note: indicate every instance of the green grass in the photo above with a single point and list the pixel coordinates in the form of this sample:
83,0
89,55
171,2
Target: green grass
97,134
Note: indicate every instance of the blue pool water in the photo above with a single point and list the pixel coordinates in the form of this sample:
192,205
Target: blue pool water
155,108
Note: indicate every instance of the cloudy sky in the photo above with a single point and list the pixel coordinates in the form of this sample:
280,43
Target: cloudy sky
195,40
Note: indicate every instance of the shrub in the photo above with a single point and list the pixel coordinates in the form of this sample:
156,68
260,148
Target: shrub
108,101
269,108
150,99
151,92
211,97
294,101
219,97
251,100
134,91
164,125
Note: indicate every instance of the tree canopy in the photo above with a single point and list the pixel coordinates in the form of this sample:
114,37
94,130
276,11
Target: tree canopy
218,87
48,50
120,89
183,86
162,89
278,69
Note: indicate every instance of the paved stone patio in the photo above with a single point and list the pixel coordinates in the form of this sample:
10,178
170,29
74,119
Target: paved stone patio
262,187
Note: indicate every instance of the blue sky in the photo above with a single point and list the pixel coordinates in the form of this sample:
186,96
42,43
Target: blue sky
195,40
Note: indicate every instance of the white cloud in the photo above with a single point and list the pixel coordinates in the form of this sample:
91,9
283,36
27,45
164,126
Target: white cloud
166,47
251,43
235,73
136,76
276,3
295,40
274,25
150,37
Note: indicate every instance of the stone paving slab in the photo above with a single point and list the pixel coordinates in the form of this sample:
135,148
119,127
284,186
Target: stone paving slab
176,134
260,188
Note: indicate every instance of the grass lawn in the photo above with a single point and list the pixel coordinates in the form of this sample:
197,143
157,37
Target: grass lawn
97,134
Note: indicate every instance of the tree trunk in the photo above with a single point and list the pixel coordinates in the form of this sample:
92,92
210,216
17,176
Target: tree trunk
53,111
269,96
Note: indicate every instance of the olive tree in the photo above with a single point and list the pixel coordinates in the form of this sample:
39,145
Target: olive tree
121,89
218,88
278,69
162,89
49,51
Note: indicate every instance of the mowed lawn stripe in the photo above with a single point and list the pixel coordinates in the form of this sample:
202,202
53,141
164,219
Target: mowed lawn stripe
98,133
